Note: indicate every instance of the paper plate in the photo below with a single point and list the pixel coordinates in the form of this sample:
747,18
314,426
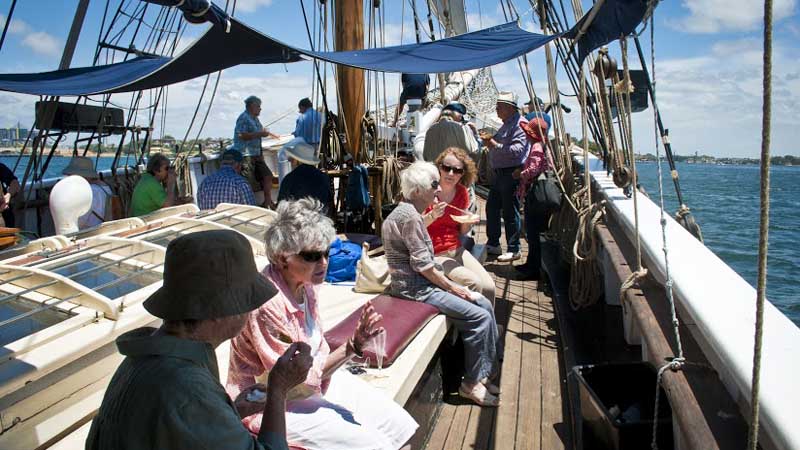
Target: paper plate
466,218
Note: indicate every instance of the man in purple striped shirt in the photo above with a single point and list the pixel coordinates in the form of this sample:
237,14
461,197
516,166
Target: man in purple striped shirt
508,149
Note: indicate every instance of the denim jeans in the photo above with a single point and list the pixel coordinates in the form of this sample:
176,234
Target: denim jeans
476,323
503,201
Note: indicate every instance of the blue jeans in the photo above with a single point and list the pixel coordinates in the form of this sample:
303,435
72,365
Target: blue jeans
476,323
503,201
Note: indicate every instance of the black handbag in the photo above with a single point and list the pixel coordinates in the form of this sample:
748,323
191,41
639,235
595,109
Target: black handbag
544,195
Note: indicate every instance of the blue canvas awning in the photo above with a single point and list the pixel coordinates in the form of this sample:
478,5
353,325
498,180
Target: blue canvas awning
230,43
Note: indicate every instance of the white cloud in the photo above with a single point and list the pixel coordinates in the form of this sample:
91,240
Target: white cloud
42,43
712,16
251,5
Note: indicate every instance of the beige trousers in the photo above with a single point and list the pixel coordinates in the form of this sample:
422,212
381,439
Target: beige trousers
461,267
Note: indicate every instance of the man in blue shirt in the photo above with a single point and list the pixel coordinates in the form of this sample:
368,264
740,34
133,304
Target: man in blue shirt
247,139
536,109
226,185
508,149
309,123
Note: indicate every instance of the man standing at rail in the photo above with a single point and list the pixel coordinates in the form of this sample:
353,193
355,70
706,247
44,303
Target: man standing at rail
247,139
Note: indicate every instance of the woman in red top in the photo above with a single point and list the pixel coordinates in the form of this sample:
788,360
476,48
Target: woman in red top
456,171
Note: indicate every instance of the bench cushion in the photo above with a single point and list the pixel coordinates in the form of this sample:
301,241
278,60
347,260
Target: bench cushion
402,319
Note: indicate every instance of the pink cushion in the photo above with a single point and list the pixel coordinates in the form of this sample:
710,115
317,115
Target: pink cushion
402,320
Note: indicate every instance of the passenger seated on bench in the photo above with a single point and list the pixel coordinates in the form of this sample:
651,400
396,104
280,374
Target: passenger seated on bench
333,409
417,276
456,172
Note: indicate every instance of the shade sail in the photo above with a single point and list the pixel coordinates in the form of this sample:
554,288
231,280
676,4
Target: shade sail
235,43
614,19
219,49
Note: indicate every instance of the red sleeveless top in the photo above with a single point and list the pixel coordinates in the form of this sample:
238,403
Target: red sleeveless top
444,231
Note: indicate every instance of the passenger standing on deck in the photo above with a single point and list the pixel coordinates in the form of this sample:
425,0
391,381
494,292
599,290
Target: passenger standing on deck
333,409
149,194
417,276
535,219
309,123
100,210
508,149
536,108
305,180
247,139
166,393
456,172
415,86
226,185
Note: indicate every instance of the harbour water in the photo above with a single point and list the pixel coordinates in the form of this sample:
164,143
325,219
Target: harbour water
724,201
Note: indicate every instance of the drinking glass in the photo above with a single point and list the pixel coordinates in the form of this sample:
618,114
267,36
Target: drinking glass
379,345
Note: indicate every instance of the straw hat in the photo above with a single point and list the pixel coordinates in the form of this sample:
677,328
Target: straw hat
81,166
298,149
507,97
209,275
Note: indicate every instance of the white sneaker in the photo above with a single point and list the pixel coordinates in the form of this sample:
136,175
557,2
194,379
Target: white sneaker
508,257
494,249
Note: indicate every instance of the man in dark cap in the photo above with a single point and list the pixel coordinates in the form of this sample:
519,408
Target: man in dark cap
450,131
166,393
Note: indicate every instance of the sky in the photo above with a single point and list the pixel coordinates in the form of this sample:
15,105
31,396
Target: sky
708,69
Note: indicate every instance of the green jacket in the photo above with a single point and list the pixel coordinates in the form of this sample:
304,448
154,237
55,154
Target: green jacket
166,395
148,195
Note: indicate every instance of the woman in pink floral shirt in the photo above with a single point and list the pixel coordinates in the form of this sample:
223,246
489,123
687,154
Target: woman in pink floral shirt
535,164
332,409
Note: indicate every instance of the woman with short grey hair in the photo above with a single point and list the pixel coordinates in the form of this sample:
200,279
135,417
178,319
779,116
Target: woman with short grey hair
417,276
333,409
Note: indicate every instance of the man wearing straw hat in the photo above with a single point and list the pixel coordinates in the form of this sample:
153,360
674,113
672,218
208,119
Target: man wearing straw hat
226,185
167,393
101,192
305,180
508,149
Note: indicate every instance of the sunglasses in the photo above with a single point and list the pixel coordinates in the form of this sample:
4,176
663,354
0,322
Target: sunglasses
313,256
456,170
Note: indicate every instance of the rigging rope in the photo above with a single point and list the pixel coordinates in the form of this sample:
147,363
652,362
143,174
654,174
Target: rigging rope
763,232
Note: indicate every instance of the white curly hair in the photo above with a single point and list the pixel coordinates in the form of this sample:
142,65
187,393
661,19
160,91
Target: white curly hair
417,178
300,225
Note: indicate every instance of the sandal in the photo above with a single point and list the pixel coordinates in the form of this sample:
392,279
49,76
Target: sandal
480,395
491,387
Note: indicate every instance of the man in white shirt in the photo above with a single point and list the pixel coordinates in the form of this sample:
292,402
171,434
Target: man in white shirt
101,192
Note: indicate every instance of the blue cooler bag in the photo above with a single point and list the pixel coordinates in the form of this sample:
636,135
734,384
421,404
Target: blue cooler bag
342,261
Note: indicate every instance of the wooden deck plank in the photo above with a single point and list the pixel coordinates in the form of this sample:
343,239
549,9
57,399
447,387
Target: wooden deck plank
442,428
519,422
530,406
555,420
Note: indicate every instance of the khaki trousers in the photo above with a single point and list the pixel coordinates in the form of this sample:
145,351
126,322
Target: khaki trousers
462,268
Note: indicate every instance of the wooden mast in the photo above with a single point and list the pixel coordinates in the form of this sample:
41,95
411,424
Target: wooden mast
350,36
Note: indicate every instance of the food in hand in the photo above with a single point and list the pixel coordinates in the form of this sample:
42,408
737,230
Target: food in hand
466,218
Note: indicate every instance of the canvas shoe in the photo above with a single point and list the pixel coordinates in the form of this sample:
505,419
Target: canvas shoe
493,250
508,257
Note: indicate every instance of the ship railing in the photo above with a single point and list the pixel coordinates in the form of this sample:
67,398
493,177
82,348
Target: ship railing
718,306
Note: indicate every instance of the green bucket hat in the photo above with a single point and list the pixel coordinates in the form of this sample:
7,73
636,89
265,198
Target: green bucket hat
209,275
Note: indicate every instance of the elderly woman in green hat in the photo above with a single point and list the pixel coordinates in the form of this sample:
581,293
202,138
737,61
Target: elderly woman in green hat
166,393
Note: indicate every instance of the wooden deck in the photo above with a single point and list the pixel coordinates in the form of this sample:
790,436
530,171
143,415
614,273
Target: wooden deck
532,414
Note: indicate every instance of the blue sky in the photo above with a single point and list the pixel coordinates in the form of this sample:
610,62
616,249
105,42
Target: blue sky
708,68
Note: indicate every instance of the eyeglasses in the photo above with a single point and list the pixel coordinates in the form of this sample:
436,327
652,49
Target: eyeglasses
435,184
456,170
313,256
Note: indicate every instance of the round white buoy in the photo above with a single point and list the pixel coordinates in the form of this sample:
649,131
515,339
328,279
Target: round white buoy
70,198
